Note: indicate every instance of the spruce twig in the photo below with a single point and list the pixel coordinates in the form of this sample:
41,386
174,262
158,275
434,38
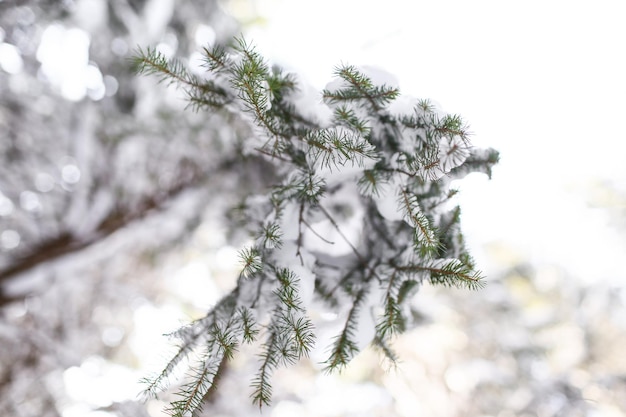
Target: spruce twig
411,157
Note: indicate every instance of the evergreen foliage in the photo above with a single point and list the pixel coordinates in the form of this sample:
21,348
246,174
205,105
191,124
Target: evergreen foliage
343,163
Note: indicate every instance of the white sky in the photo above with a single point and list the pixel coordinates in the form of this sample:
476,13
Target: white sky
544,82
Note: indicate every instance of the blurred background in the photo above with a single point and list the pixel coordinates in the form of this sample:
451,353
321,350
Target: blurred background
114,203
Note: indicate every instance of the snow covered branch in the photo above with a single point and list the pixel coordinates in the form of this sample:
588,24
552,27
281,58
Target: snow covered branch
358,214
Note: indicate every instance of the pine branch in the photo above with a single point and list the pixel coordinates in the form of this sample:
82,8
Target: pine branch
361,88
271,236
290,335
249,325
200,94
412,156
250,79
425,240
391,321
344,348
251,261
307,187
291,314
159,383
216,59
334,148
262,393
452,125
192,393
346,116
450,273
152,62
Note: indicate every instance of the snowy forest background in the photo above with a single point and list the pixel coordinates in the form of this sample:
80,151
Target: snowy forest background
114,221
